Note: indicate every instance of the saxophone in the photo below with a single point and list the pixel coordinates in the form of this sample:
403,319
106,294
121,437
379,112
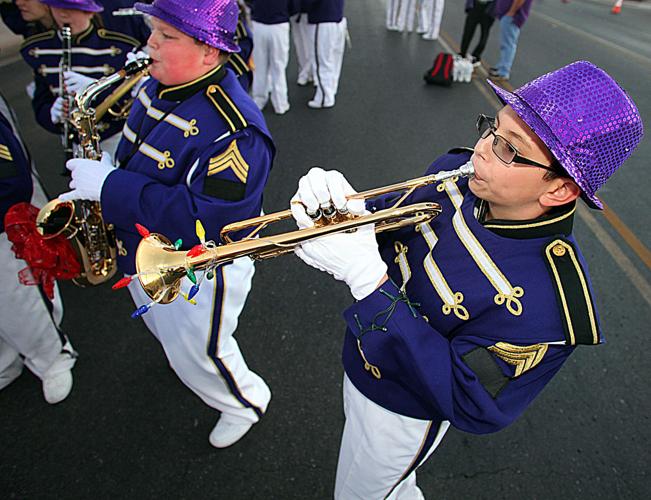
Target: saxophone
65,65
81,220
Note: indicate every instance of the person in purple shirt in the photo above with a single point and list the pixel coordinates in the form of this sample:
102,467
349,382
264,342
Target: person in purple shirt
512,15
462,321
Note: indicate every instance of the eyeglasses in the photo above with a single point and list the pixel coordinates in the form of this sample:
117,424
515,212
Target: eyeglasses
502,148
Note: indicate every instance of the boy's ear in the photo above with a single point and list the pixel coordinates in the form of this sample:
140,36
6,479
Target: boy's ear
561,191
211,54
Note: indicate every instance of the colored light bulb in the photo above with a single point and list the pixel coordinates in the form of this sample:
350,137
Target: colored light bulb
190,273
193,291
142,230
140,311
195,251
178,243
122,283
201,232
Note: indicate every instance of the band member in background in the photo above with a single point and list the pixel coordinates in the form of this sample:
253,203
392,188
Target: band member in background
29,330
327,31
33,17
463,320
304,47
241,63
96,52
270,24
195,147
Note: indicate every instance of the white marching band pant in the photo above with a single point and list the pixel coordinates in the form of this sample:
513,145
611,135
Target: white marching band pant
380,450
304,48
199,344
327,54
402,14
29,320
271,55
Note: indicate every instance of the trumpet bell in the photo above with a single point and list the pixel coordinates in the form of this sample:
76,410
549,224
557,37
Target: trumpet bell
162,268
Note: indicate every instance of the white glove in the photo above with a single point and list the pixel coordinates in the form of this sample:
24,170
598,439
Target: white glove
76,82
56,111
353,258
88,177
132,56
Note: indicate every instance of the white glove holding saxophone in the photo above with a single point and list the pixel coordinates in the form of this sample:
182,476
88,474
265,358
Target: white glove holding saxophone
132,56
87,178
76,82
58,111
353,258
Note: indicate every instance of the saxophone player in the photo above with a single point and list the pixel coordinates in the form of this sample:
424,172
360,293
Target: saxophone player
95,52
195,147
31,315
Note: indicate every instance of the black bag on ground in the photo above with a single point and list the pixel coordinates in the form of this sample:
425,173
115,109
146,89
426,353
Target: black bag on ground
441,71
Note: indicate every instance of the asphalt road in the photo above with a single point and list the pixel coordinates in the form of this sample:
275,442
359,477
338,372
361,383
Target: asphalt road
130,429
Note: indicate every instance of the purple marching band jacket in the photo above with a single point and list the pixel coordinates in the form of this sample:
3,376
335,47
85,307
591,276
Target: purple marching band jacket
193,151
96,53
476,318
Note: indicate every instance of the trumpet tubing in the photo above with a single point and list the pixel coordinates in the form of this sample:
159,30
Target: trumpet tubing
161,267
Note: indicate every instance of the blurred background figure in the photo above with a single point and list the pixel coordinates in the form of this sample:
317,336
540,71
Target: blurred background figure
302,44
512,15
270,26
478,13
432,12
327,29
29,331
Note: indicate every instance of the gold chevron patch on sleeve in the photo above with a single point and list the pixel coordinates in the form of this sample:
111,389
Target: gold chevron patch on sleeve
522,357
5,154
230,159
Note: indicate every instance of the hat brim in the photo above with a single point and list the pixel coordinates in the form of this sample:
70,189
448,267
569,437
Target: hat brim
67,5
542,130
190,30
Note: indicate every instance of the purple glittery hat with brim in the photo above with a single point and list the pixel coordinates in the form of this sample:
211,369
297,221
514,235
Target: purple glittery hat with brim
213,22
584,117
85,5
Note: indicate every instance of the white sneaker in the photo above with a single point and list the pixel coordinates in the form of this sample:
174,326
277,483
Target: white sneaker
57,387
321,104
226,432
281,110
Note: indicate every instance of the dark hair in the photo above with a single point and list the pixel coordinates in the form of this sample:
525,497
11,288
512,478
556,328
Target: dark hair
557,173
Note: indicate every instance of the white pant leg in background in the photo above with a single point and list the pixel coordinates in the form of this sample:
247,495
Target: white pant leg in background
380,450
329,45
271,55
28,323
199,344
110,144
392,14
435,9
424,15
304,46
404,9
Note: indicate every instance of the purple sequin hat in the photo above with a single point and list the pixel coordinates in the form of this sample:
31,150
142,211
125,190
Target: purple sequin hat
85,5
584,117
211,21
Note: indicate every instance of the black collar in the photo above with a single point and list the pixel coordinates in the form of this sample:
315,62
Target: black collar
186,90
557,221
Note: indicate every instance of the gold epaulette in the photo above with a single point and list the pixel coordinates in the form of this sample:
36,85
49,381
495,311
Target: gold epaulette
572,292
226,108
38,37
115,35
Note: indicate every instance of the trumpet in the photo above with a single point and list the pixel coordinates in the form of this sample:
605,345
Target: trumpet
161,267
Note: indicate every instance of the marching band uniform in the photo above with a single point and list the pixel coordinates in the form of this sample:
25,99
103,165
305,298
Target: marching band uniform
241,62
29,331
270,24
133,26
195,151
302,44
327,30
96,53
478,315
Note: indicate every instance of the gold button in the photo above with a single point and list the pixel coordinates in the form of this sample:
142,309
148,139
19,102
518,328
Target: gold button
559,250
